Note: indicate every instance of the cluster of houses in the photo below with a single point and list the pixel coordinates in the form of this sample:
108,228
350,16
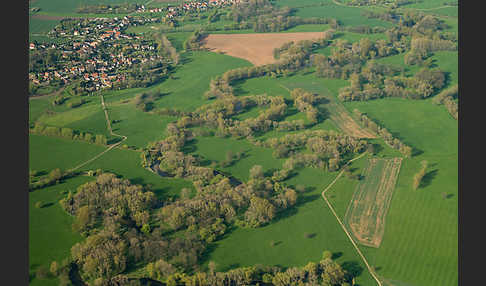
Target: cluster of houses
103,45
188,6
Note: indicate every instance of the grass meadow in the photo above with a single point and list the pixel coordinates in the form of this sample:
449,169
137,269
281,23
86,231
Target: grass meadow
50,234
420,242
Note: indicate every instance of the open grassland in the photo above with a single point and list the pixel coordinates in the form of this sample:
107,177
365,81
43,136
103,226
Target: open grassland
47,153
448,62
244,247
63,6
41,26
216,149
343,120
185,90
88,117
256,48
50,232
419,246
140,127
127,163
366,215
37,106
426,4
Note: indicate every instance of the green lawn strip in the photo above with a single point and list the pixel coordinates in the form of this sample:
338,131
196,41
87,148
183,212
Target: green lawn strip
244,247
50,234
47,153
37,107
421,227
127,163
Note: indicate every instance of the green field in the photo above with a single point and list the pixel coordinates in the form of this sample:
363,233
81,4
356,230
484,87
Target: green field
127,163
50,232
421,229
47,153
252,246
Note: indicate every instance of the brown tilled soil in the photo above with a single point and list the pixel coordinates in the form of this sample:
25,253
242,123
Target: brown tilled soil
256,48
367,211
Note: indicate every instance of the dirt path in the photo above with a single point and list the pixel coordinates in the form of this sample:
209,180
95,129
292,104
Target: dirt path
111,132
372,272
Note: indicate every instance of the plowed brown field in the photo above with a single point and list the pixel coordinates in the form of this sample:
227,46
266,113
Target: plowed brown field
256,48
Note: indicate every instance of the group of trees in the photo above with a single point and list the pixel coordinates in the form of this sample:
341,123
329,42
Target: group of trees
378,81
165,48
68,133
145,100
383,133
347,59
54,177
324,272
447,98
417,179
322,149
194,40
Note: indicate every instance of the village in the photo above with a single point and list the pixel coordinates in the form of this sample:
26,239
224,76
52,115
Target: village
98,52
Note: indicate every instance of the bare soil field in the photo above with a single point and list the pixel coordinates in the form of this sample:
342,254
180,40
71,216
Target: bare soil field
367,210
256,48
340,116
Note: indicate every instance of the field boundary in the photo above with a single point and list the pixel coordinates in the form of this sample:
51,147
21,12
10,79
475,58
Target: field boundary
370,269
367,210
111,132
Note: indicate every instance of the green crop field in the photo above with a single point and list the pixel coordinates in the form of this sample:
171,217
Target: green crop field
50,232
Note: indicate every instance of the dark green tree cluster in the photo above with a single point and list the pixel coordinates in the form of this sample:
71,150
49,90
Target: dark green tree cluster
194,40
145,100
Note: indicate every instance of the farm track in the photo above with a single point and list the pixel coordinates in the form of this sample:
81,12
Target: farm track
372,272
111,132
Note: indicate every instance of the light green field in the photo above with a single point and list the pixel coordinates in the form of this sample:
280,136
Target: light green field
41,26
50,233
420,242
47,153
62,6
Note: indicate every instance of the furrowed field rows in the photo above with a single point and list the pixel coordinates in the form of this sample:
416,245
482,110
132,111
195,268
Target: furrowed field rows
367,210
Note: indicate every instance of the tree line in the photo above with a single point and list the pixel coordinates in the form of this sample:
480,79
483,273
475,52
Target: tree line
447,98
395,143
68,133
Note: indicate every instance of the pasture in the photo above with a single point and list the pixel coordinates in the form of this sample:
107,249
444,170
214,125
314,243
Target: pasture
47,153
50,233
366,215
244,247
419,245
256,48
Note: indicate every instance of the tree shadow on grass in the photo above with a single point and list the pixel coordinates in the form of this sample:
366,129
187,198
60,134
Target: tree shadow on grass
336,255
352,268
302,200
428,177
